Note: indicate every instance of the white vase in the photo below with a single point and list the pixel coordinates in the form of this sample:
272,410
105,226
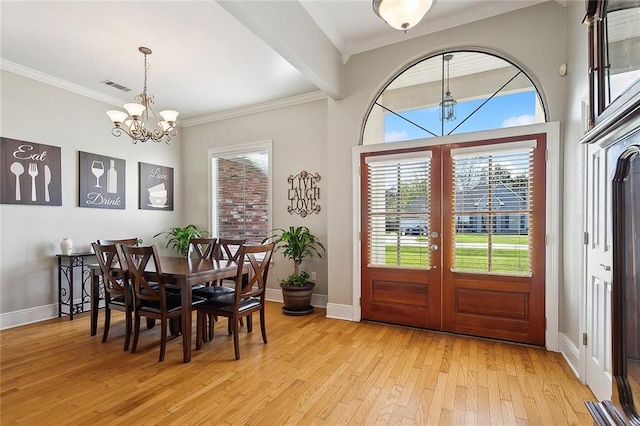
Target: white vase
66,246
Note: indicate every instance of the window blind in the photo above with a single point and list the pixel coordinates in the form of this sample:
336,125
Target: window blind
398,210
493,204
240,192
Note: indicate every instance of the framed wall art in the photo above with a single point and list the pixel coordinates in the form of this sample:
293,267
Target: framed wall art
30,173
102,181
156,187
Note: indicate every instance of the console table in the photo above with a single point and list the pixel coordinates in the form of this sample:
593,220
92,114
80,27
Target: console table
68,266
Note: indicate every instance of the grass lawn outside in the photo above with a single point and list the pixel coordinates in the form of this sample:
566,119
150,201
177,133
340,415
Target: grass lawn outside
504,259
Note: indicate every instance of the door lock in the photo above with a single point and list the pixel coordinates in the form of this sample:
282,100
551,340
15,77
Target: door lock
605,267
434,234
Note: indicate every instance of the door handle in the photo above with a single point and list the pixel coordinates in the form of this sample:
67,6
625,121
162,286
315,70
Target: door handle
605,267
434,247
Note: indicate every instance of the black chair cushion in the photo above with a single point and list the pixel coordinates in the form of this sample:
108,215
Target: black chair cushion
212,291
118,300
224,302
173,303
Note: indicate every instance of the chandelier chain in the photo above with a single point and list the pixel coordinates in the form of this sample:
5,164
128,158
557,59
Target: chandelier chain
146,68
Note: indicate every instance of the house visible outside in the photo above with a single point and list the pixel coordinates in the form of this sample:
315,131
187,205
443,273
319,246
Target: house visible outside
498,197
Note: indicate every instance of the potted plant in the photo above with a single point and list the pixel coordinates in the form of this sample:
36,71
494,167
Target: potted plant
296,244
178,238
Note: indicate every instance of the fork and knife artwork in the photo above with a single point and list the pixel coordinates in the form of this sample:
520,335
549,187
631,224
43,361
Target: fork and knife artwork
30,173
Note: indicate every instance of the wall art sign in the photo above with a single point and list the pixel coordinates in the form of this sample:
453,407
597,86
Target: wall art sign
156,187
30,173
303,193
102,181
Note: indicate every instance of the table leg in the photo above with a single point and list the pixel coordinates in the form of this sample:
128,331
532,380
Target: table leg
186,320
72,263
95,300
59,287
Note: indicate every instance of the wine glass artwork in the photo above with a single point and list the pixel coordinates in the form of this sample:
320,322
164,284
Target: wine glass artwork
97,168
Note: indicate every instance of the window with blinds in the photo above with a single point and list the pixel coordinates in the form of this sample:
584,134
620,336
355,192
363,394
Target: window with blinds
493,205
241,193
399,209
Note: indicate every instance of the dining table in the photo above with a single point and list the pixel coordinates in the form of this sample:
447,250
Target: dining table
180,271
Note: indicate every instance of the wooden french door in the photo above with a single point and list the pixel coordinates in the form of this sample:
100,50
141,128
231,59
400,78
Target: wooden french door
454,238
401,257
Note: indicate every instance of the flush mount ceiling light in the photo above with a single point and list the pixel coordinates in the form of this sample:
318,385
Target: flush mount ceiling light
140,121
448,104
402,14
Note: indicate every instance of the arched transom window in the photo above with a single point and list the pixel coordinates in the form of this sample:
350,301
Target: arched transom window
451,93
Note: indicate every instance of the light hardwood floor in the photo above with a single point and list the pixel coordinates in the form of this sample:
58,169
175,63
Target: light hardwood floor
314,370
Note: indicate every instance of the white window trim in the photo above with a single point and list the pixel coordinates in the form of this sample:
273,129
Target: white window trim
265,145
552,226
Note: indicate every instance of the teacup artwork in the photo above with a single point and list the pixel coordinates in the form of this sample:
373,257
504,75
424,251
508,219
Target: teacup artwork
158,196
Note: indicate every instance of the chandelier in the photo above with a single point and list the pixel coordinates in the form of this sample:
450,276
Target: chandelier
448,104
140,121
402,14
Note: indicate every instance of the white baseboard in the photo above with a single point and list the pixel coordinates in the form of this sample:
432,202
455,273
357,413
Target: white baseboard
337,311
28,316
273,295
571,354
41,313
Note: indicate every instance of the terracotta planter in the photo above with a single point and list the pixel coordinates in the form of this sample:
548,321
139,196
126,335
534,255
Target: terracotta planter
297,299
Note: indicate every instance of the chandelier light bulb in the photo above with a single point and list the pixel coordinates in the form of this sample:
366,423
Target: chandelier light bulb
169,115
134,110
117,117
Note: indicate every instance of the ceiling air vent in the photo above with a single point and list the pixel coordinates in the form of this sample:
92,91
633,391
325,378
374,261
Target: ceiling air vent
116,85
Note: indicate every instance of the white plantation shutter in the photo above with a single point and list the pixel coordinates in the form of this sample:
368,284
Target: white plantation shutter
493,205
399,203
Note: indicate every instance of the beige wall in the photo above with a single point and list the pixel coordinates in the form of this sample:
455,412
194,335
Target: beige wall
30,235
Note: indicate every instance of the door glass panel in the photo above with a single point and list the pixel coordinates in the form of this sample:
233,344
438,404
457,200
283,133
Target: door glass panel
399,210
622,47
482,92
492,209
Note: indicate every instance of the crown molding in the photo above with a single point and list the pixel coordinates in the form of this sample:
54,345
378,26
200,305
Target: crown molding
210,118
253,109
58,82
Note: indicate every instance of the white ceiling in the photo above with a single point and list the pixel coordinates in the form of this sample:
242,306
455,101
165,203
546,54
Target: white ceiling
208,56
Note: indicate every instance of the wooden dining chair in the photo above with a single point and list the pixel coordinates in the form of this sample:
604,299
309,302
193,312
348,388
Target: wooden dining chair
229,248
248,295
207,248
204,248
151,301
117,294
128,242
